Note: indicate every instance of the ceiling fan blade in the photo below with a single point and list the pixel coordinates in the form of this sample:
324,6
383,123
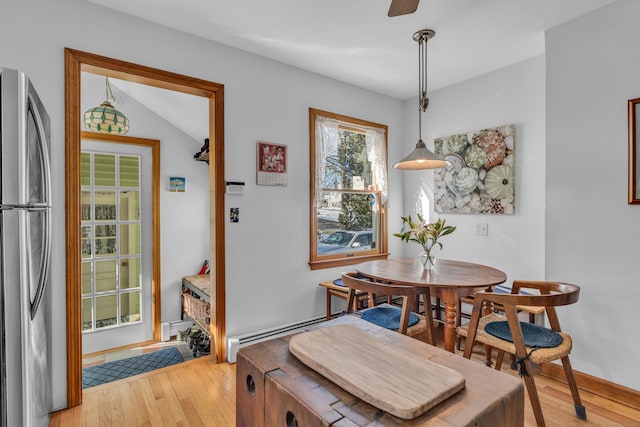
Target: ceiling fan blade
402,7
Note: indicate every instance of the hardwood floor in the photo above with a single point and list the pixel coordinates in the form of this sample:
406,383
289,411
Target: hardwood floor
194,393
202,393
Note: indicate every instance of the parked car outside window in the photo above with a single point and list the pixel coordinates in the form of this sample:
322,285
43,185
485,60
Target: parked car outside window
345,241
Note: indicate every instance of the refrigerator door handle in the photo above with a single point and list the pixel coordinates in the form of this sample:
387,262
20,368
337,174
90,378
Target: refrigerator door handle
44,146
44,265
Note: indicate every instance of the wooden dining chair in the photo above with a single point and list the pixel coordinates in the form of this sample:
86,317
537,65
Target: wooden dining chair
529,343
409,294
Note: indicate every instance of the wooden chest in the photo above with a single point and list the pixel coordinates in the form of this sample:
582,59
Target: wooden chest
275,389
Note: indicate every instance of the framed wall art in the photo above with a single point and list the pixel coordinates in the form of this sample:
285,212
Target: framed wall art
480,177
272,164
634,153
177,184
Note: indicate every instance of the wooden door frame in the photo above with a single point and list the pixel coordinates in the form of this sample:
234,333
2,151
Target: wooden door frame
76,62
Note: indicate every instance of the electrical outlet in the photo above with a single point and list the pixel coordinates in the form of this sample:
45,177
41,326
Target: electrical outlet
482,229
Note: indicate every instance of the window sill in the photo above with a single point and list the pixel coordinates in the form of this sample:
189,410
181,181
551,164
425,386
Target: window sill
337,262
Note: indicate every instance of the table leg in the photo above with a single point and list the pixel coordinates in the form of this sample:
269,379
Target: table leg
486,310
450,299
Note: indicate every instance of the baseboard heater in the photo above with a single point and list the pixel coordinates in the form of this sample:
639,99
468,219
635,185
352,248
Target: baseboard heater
234,343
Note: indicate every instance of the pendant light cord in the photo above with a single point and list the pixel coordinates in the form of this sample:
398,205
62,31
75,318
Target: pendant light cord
423,101
420,85
110,96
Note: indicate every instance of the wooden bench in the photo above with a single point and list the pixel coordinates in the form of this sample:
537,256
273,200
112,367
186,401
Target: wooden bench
342,292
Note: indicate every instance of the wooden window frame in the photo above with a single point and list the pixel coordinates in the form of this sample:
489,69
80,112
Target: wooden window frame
327,261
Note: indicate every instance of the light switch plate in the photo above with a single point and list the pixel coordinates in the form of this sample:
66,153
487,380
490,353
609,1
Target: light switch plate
482,229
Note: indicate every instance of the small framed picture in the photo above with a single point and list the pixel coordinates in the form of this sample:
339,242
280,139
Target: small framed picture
177,184
234,215
271,164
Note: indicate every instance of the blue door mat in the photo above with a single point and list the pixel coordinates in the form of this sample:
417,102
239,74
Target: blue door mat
119,369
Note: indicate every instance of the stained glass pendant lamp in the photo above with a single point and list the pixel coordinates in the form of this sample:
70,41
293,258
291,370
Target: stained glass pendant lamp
105,118
421,157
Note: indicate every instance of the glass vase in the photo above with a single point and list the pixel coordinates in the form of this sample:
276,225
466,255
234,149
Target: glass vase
427,260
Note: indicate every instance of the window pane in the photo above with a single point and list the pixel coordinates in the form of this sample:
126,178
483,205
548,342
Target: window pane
105,205
85,169
87,277
130,273
348,167
86,241
105,240
86,314
105,170
130,307
347,224
129,205
106,279
106,311
86,206
129,239
129,171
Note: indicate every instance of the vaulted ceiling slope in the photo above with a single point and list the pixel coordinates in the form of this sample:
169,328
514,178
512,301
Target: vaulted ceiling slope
356,42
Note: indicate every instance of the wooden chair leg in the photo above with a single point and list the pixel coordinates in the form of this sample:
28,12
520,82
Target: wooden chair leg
499,359
428,314
533,395
438,309
581,412
487,355
459,321
328,304
371,301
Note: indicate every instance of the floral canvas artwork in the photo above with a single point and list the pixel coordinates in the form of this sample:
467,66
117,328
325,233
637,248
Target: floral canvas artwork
480,175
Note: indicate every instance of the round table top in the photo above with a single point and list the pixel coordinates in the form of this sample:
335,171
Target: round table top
447,273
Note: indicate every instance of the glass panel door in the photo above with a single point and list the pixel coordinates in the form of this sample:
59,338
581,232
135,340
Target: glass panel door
116,285
111,240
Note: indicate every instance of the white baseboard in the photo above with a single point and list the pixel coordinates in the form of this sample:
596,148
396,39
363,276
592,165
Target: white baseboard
235,342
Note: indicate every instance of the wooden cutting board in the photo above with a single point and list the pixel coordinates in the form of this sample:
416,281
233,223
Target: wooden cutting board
387,377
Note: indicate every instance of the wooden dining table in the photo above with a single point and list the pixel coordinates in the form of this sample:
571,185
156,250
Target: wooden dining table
449,280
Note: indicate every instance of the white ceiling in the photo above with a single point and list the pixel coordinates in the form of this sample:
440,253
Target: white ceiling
354,41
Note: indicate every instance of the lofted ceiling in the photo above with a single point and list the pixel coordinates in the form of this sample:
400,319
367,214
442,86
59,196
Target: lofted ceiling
354,41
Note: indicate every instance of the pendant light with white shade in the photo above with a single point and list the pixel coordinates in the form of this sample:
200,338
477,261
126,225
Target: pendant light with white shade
421,157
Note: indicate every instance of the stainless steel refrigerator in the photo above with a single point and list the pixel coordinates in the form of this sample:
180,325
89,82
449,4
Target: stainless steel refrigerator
25,246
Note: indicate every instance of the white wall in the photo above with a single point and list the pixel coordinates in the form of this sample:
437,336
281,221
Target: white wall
512,95
268,280
592,233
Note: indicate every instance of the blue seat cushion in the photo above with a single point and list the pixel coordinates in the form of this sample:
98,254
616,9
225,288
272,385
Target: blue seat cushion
387,317
534,335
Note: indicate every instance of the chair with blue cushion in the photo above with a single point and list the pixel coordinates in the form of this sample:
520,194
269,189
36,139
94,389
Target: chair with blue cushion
389,316
528,342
